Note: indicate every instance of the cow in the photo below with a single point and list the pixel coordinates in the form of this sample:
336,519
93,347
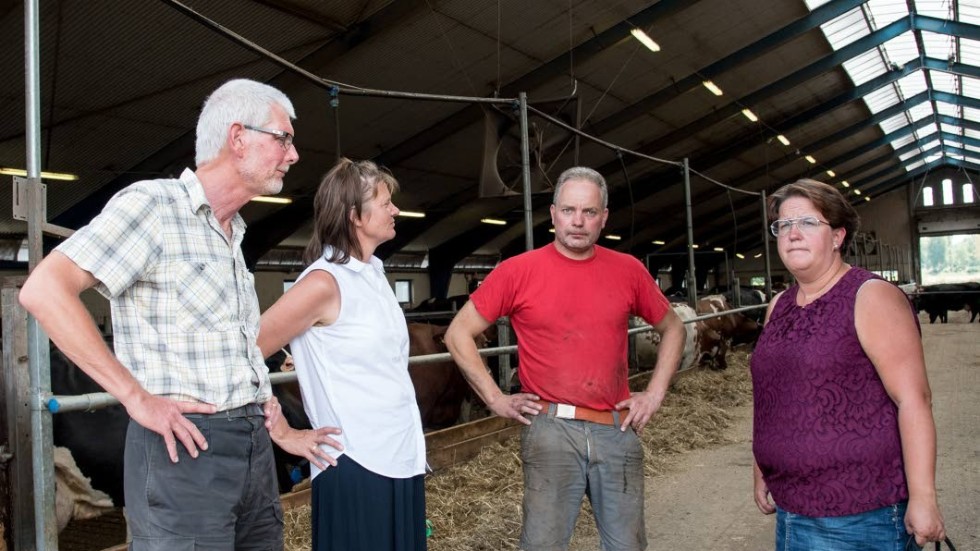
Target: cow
747,296
707,341
937,300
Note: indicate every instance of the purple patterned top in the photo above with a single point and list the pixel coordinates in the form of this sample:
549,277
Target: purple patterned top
825,432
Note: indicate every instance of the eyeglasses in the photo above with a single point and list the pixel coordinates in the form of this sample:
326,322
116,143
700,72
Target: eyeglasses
284,138
806,224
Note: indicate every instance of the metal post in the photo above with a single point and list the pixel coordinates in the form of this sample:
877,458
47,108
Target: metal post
46,528
692,292
17,384
526,173
765,244
504,372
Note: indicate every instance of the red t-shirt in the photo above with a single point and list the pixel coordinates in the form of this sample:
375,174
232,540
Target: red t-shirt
571,318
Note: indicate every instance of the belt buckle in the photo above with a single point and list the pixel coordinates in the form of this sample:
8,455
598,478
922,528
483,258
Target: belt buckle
564,411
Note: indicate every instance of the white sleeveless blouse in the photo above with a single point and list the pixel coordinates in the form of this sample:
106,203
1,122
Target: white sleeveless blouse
353,374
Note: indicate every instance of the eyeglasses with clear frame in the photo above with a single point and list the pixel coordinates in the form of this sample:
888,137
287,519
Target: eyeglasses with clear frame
808,225
284,138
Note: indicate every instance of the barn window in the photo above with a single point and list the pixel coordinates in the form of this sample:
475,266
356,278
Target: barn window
967,193
927,200
947,192
403,291
286,284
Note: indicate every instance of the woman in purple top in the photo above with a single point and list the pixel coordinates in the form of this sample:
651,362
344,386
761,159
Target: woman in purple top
844,438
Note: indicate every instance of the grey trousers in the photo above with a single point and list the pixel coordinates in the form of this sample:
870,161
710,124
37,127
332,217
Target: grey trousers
225,499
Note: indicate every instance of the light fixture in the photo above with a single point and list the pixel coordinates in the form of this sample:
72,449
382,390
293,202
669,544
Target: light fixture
551,230
411,214
750,115
719,250
494,221
740,256
866,198
758,256
613,237
810,159
645,39
274,200
694,246
712,87
831,173
44,175
844,183
857,191
782,139
659,242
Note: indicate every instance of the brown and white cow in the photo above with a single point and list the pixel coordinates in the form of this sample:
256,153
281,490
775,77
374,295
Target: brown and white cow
707,341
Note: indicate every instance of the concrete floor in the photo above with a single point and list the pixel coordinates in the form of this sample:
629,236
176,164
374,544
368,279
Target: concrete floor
706,501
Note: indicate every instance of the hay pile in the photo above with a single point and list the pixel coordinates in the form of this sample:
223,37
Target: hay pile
477,506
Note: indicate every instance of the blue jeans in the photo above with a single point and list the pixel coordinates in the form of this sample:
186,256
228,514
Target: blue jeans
878,530
566,460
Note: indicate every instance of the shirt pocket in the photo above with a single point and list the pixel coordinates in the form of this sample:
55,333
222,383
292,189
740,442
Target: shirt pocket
203,297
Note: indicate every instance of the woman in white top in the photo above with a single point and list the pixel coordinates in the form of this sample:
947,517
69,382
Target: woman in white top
349,341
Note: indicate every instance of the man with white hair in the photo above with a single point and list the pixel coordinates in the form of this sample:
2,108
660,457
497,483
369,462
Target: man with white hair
569,303
167,254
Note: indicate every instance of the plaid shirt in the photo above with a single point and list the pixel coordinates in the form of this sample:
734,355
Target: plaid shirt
184,310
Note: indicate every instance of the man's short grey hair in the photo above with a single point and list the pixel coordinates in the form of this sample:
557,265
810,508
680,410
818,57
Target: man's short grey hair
582,173
240,100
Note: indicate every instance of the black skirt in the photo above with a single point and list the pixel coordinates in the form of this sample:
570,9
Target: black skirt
355,509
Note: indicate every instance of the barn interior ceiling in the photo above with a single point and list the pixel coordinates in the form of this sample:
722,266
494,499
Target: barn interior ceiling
867,95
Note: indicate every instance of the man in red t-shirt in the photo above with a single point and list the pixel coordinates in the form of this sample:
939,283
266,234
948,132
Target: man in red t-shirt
569,303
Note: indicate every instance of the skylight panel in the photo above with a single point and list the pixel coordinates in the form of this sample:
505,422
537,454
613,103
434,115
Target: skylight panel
892,124
902,142
938,46
921,111
954,143
902,48
971,88
912,166
944,82
969,12
929,145
972,159
948,109
885,12
971,114
927,131
933,8
865,67
952,129
910,154
881,99
846,28
912,84
971,134
934,157
970,51
814,4
973,148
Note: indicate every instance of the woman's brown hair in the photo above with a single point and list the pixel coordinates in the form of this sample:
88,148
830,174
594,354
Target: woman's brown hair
831,204
346,188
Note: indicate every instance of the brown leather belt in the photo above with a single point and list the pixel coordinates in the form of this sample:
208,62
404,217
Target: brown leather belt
565,411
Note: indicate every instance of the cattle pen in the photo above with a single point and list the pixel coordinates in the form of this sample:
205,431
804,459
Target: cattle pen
445,447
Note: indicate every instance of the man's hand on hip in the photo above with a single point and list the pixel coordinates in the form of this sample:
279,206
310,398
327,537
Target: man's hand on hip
642,406
166,418
516,406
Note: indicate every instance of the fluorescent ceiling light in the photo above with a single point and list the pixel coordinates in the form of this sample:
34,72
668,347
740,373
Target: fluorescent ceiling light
712,87
44,175
857,191
719,249
659,242
694,246
740,255
613,237
411,214
810,159
758,256
551,230
276,200
494,221
866,198
782,139
831,173
844,183
645,39
750,115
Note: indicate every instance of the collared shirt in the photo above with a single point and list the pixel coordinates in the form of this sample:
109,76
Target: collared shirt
353,373
185,316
